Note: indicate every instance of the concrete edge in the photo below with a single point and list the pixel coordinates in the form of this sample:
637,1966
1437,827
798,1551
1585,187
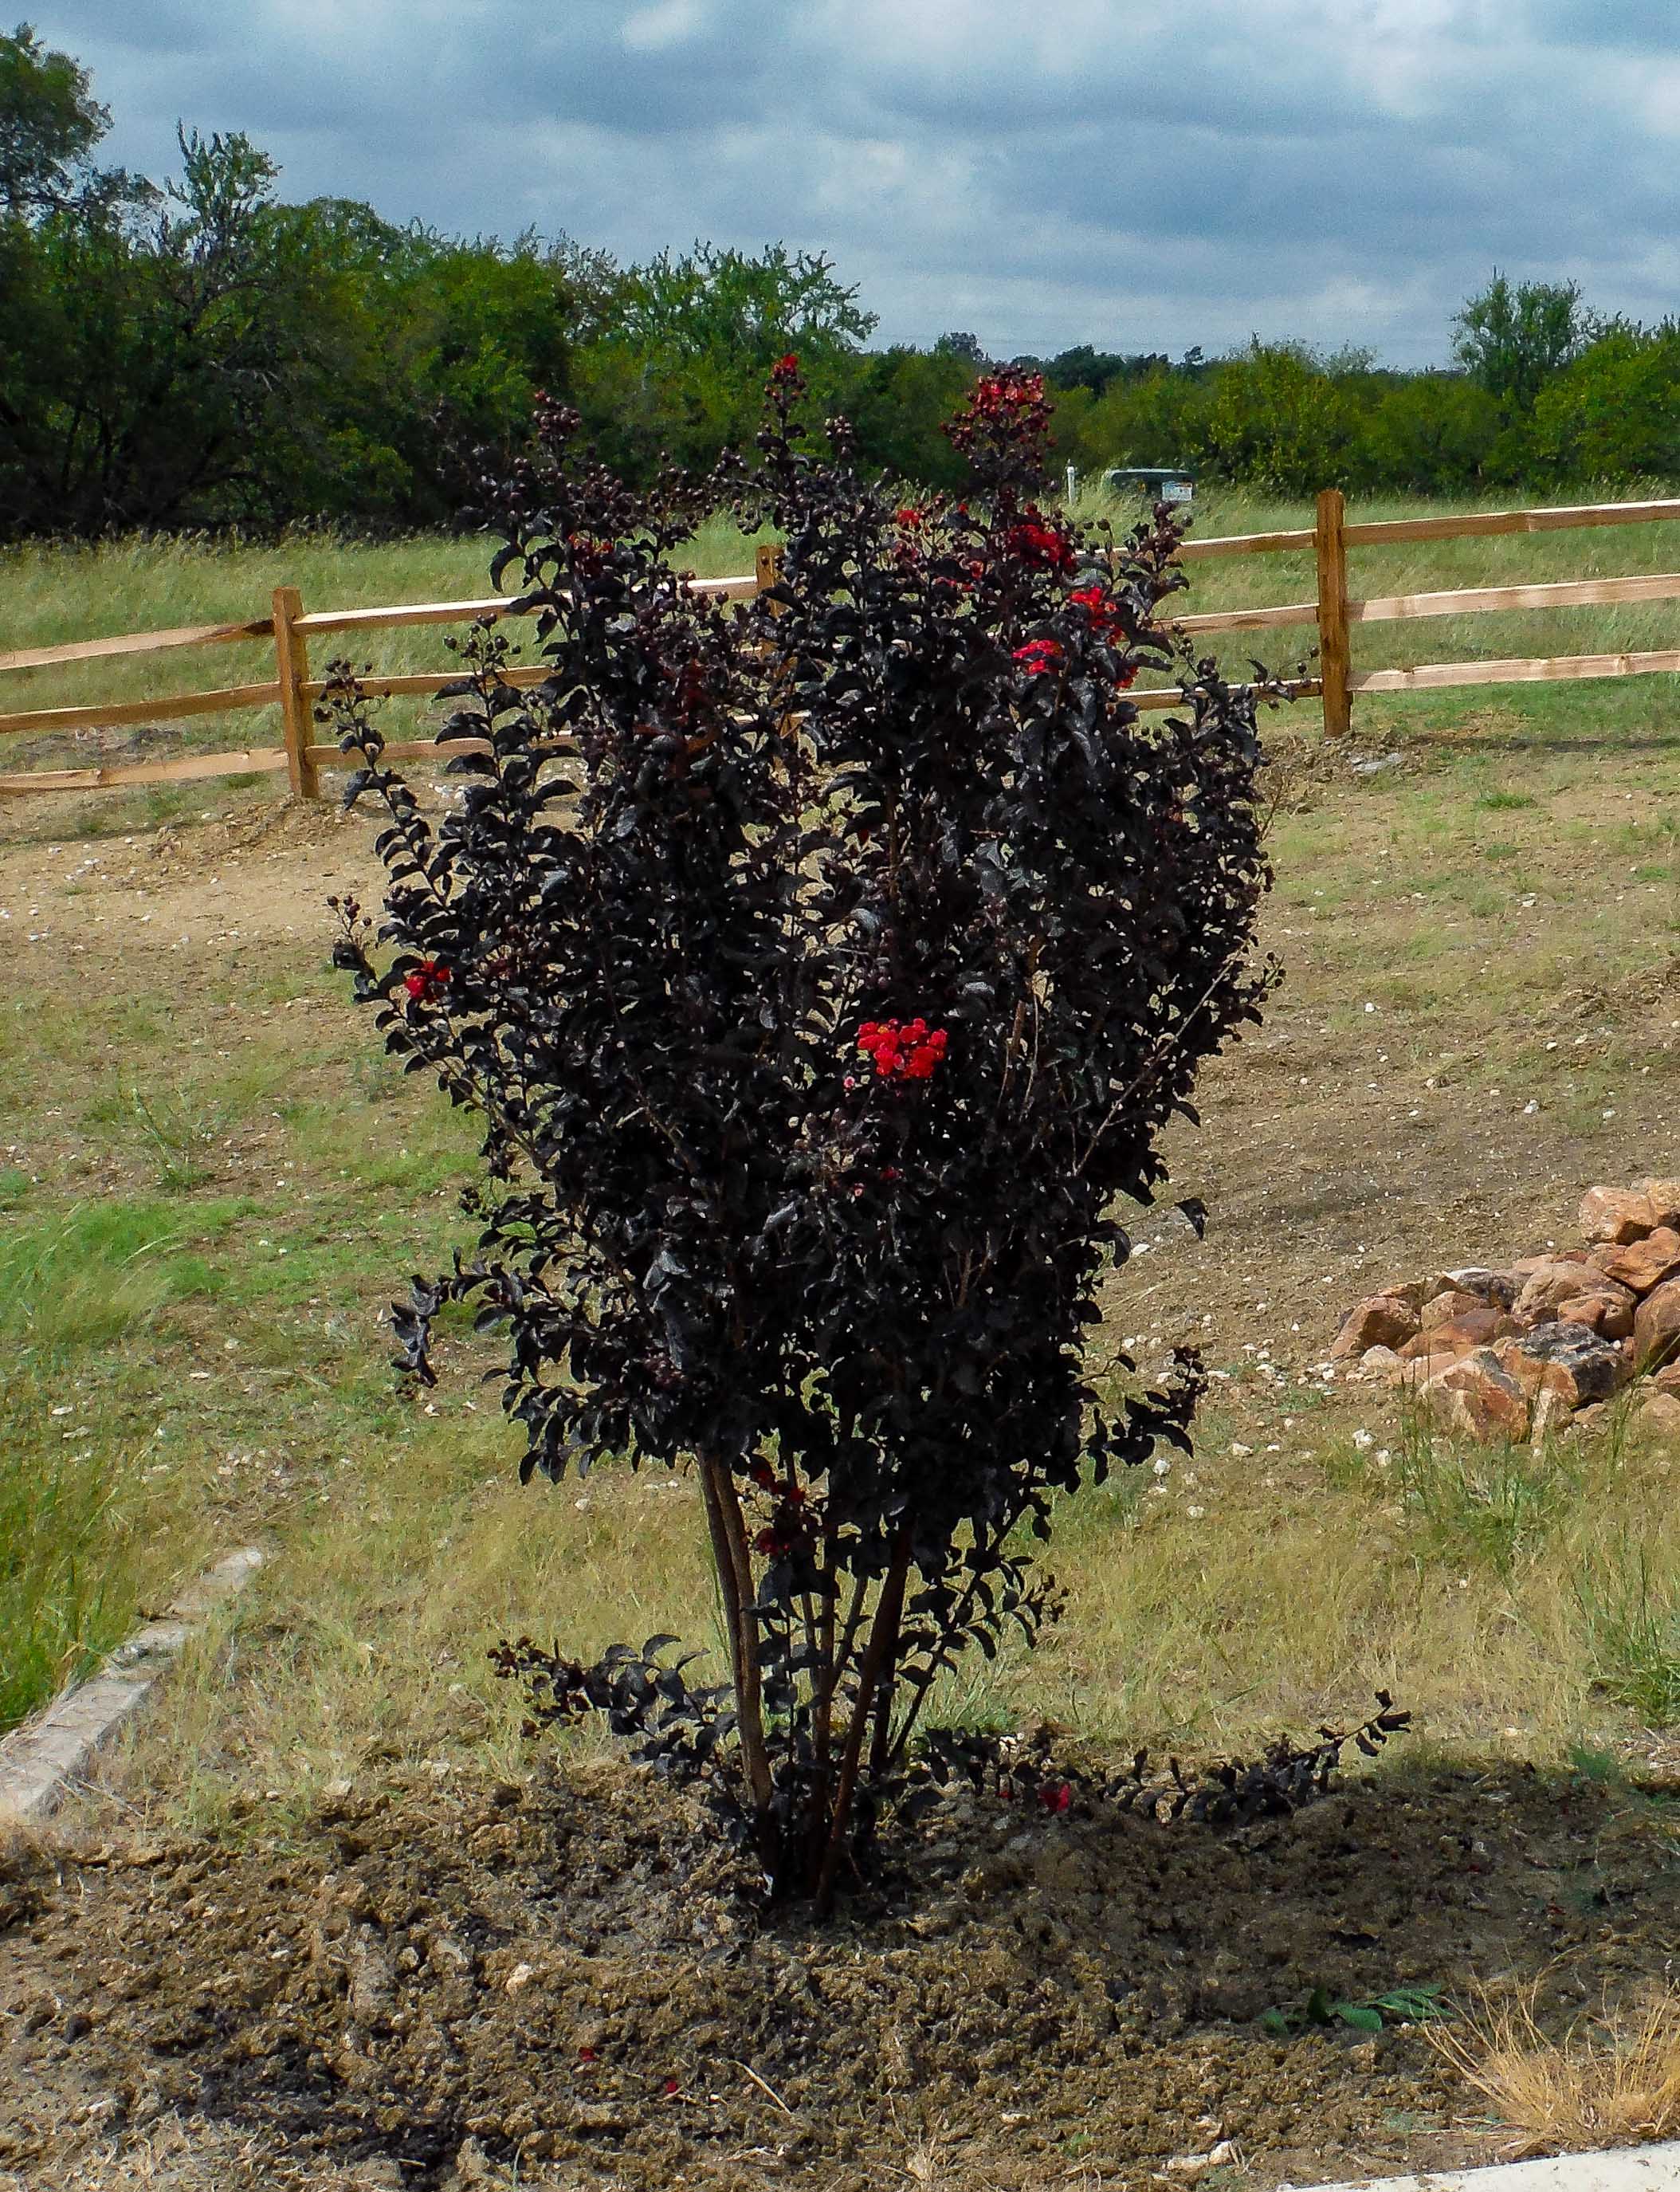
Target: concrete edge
1619,2169
39,1760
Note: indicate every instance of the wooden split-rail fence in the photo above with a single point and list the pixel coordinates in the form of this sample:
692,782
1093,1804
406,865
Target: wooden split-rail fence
1333,611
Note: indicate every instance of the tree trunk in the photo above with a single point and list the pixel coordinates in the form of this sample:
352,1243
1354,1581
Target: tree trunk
878,1658
735,1579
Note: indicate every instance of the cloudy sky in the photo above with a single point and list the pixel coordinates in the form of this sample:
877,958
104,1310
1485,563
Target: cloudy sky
1039,172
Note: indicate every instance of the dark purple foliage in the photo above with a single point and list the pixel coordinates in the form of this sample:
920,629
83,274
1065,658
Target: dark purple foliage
901,799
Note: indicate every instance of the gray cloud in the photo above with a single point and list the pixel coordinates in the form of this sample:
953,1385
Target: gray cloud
1342,170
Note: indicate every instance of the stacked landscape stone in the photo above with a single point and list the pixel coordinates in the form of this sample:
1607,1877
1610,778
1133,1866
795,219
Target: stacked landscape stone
1522,1351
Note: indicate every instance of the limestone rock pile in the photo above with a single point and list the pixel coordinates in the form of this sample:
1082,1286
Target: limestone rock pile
1516,1352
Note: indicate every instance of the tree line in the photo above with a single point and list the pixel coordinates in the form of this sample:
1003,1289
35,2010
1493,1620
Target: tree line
201,353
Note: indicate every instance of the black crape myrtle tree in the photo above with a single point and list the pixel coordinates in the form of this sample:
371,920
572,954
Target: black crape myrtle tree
823,969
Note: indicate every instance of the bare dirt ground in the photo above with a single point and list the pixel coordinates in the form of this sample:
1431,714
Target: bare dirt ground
559,1984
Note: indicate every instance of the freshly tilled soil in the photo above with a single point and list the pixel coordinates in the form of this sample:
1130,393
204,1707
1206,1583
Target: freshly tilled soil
568,1983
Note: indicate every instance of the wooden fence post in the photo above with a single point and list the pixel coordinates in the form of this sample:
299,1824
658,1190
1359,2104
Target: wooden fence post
290,654
768,568
1335,653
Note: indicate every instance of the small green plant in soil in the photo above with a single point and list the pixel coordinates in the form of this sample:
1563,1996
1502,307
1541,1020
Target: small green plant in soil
824,975
1401,2005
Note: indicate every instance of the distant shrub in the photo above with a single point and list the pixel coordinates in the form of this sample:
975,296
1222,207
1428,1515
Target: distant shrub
824,974
1432,435
1614,413
1281,421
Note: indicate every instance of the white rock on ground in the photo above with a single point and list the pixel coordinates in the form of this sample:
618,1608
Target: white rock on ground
39,1760
1626,2169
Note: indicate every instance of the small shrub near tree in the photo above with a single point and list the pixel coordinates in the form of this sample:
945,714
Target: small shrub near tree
823,972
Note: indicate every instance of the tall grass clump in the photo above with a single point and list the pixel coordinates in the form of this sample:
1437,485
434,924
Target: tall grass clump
1631,1617
75,1552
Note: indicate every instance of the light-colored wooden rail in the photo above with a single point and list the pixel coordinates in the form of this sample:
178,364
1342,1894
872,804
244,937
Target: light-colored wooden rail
115,713
1332,609
133,643
1335,613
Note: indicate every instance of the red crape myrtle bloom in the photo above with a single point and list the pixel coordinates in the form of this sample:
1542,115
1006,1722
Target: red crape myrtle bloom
1039,656
1036,542
784,370
902,1050
427,982
1104,614
997,394
1105,621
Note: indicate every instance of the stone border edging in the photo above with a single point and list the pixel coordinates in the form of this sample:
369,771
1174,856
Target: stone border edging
1619,2169
39,1760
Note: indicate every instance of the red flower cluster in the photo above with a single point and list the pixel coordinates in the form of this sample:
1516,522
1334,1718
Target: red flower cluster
997,395
1052,1795
910,517
904,1050
1035,542
1039,656
1106,621
427,982
1104,613
762,1475
784,370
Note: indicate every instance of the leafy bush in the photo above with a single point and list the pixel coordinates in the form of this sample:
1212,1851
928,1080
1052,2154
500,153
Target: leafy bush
1434,433
1611,414
1284,420
823,972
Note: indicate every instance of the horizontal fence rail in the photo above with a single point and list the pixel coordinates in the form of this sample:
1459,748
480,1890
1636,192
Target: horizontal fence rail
1332,610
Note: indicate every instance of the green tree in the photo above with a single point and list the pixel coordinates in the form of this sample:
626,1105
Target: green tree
1613,415
1283,419
736,310
1433,433
1159,420
680,369
959,344
152,366
897,401
1511,340
49,124
1082,367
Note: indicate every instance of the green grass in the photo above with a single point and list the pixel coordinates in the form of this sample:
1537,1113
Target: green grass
1631,1610
86,1528
51,595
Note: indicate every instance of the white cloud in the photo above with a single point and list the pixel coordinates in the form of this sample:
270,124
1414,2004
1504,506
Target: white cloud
672,23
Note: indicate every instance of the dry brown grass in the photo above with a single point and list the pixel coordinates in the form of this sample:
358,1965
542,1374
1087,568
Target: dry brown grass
1612,2080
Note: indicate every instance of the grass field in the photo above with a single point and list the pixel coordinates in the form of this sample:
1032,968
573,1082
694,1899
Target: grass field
49,595
211,1181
